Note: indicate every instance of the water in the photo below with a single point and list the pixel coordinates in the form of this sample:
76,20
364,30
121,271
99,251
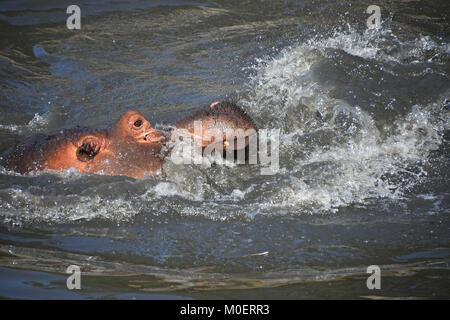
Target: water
364,155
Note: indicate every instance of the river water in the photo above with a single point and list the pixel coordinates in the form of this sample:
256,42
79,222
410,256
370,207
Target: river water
364,151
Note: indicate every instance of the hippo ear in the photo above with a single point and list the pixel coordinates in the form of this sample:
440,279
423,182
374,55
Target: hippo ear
88,149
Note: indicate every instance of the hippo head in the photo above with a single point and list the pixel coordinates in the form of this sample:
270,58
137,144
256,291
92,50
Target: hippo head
132,128
134,125
222,123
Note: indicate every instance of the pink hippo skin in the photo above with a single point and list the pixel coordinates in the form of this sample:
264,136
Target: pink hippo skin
130,148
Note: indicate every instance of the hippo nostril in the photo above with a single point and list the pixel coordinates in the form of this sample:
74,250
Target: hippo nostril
84,155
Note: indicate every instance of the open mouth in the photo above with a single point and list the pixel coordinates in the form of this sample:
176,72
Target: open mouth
152,137
148,138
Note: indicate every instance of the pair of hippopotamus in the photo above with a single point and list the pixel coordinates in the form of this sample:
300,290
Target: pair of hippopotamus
131,147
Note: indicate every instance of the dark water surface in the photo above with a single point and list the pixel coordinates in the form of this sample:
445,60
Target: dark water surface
364,155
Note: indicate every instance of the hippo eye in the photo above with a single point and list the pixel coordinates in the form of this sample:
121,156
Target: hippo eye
138,123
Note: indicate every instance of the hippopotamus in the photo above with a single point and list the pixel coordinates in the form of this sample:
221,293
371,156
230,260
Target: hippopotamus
131,147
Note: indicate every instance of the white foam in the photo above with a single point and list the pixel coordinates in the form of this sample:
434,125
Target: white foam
36,123
283,89
26,206
170,189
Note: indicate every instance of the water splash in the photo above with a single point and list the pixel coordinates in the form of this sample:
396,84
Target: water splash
337,153
333,153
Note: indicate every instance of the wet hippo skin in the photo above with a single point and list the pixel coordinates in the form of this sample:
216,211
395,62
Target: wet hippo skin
132,147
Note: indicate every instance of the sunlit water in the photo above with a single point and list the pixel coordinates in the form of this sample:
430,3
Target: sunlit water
364,155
